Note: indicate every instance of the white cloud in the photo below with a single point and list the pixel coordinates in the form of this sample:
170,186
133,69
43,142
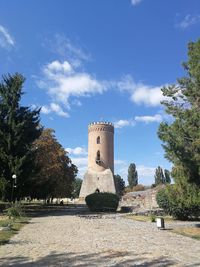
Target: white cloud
77,150
188,21
141,93
82,164
54,108
64,48
135,2
132,122
45,110
6,40
123,123
56,66
144,171
149,119
119,162
62,81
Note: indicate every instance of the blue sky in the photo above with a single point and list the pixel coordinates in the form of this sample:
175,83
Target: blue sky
89,60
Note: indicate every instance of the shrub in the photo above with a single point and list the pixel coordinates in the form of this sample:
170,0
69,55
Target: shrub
180,201
138,187
163,200
153,218
102,201
14,211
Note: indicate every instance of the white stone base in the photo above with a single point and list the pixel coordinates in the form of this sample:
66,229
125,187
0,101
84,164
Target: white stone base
103,181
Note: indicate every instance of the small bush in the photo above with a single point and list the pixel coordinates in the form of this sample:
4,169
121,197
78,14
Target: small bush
163,200
153,218
14,211
102,202
138,187
180,201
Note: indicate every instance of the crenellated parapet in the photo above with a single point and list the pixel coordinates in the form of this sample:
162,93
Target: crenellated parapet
101,126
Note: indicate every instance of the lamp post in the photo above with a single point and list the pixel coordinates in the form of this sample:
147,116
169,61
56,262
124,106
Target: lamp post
14,177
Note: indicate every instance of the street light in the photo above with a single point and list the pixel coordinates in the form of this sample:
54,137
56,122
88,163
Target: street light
14,177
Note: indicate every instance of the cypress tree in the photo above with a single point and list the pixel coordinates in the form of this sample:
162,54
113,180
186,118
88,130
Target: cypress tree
167,177
159,176
132,175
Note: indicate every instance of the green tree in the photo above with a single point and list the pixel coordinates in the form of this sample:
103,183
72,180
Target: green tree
19,127
56,173
77,187
181,136
132,175
159,176
119,184
3,186
181,139
167,177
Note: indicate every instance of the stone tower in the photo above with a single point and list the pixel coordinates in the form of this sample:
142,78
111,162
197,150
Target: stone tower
99,176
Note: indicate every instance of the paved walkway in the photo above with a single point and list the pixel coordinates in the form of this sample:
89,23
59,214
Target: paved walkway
72,240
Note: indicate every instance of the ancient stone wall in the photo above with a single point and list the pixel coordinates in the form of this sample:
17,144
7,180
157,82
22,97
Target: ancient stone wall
144,200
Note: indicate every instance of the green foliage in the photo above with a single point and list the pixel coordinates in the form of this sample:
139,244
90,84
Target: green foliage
152,218
132,175
138,187
102,202
77,187
3,186
180,201
162,200
13,226
119,184
159,176
19,127
167,177
14,211
181,137
55,171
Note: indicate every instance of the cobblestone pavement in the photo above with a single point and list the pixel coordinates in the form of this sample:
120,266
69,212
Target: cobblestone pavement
72,240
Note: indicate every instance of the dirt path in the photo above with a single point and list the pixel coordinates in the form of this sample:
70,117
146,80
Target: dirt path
72,240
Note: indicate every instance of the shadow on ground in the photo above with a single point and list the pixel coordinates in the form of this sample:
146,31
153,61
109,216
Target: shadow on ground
42,210
107,258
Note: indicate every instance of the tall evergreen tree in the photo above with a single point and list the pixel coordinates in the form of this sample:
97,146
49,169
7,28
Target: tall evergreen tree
181,137
132,175
77,187
159,176
19,127
167,177
119,184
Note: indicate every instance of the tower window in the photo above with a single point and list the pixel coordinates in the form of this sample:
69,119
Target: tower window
98,155
98,140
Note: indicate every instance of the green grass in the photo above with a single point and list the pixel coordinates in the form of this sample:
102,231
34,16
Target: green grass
143,218
193,232
16,225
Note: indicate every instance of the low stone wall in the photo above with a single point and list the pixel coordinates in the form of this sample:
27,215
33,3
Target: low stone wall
143,200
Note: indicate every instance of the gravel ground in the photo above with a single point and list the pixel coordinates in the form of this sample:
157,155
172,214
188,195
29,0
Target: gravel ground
109,240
